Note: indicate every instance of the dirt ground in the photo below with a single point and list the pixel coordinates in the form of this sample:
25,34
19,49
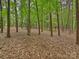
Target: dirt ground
21,46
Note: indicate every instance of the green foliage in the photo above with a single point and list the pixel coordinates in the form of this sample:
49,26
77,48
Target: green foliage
44,6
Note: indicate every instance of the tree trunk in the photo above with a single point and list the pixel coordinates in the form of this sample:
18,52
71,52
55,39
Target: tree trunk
28,20
58,23
1,16
16,16
8,19
72,16
77,18
38,17
51,29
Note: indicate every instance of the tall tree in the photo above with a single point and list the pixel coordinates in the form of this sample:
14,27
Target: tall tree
8,19
28,20
77,18
16,15
58,23
57,14
72,16
1,17
51,29
38,17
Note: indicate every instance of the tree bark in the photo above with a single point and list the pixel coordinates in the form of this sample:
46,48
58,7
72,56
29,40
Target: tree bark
72,16
58,23
8,19
77,18
51,29
28,20
38,17
16,16
1,16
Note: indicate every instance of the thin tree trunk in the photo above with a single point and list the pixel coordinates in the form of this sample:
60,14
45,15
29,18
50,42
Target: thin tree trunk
1,17
77,18
16,16
8,19
28,20
72,16
38,17
51,29
58,23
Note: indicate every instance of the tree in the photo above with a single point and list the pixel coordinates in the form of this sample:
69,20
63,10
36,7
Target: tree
16,16
72,16
38,17
8,19
28,20
57,13
51,29
1,17
77,18
58,23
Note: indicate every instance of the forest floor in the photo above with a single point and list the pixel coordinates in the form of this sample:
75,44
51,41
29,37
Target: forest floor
21,46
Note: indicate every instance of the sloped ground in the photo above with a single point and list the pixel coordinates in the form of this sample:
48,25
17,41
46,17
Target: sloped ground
21,46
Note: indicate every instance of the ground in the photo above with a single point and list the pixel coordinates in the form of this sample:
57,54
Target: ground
21,46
